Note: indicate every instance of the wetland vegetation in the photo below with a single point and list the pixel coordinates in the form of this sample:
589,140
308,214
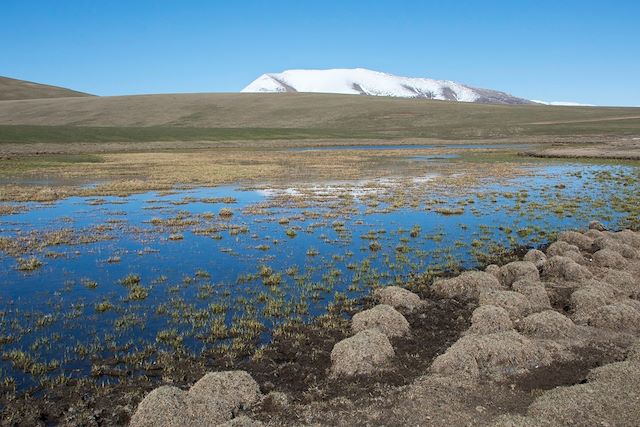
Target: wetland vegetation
221,269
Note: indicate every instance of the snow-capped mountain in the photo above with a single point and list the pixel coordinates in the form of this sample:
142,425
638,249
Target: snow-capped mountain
360,81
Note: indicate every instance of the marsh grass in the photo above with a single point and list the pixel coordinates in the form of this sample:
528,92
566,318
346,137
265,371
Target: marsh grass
29,264
103,306
449,210
225,213
291,233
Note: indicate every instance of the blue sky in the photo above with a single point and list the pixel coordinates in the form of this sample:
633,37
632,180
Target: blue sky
563,50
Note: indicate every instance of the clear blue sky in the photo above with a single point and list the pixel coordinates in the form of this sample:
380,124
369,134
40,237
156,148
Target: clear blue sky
555,50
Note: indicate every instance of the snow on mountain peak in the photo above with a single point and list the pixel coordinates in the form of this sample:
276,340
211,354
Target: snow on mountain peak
360,81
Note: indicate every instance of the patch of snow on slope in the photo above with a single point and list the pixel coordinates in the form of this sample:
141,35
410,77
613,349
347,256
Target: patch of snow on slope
265,83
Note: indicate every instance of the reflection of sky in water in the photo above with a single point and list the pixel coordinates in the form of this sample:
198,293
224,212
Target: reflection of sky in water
151,254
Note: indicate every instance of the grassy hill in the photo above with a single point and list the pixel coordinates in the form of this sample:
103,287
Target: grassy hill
214,117
12,89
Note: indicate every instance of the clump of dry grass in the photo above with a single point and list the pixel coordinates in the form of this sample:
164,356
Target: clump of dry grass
212,400
535,256
514,303
399,298
609,258
383,318
589,298
548,324
489,319
493,356
560,248
619,317
365,352
565,268
518,270
616,245
467,285
579,240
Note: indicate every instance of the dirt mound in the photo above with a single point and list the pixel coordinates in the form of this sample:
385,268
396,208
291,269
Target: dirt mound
535,256
518,270
548,324
233,389
494,356
467,285
213,400
514,303
627,237
363,353
616,245
489,319
382,317
203,410
535,293
609,258
560,248
594,234
399,298
164,406
623,281
582,242
586,300
565,268
618,317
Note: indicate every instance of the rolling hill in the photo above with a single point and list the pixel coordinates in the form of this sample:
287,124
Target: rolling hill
12,89
251,116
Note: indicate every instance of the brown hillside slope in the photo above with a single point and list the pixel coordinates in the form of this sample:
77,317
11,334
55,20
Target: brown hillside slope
13,89
297,110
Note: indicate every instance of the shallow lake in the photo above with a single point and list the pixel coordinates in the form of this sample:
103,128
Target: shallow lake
175,270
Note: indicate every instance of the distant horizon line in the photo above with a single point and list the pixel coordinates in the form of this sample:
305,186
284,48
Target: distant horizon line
535,101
